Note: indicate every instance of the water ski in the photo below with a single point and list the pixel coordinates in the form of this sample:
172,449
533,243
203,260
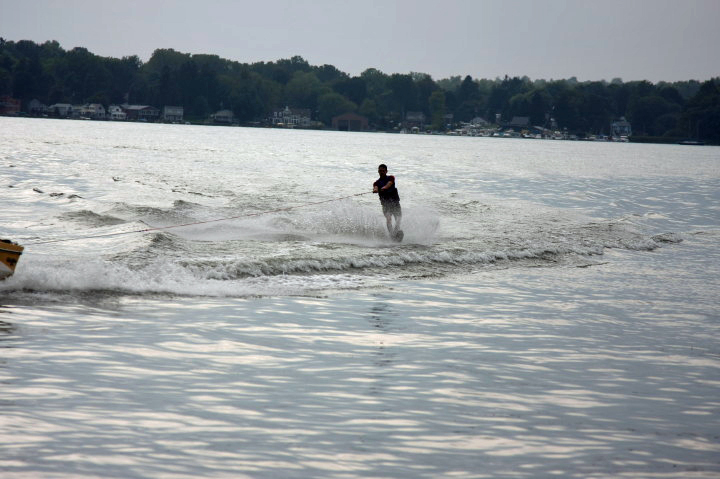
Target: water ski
398,236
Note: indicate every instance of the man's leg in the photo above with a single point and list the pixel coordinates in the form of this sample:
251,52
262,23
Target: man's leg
388,219
398,220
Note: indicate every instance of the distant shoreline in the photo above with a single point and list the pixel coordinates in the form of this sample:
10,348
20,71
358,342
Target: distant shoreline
632,139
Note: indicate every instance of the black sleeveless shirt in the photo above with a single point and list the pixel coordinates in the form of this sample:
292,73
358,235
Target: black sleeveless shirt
390,194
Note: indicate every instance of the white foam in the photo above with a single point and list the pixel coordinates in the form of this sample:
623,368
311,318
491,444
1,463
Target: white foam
159,277
342,222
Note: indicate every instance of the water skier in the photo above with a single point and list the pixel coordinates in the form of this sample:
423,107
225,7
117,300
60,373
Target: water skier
390,201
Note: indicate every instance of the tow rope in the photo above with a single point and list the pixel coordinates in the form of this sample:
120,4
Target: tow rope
160,228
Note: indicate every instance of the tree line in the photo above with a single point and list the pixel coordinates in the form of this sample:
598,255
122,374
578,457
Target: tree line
204,84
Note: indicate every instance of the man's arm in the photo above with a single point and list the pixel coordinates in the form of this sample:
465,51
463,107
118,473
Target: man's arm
389,184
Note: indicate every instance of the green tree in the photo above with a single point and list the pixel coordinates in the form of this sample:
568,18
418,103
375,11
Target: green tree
701,117
567,110
539,107
620,97
282,71
165,57
450,84
24,85
303,90
369,109
425,87
671,94
499,99
404,93
355,89
437,110
332,104
199,108
469,100
329,74
645,111
375,82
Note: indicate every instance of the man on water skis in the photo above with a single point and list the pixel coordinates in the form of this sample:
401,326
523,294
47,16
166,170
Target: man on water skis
390,201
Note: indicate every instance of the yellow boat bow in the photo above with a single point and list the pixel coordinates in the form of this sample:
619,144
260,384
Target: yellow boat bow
9,256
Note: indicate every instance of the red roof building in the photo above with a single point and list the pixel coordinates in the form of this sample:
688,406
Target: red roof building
9,105
350,122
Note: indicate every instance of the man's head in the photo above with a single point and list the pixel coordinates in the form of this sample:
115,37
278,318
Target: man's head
382,169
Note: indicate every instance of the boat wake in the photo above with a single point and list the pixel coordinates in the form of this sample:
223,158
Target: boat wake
137,250
258,265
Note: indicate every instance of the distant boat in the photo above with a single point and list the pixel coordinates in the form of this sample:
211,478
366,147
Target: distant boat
9,256
691,142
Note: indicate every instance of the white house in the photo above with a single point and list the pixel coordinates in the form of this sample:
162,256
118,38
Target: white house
36,107
141,112
94,110
173,113
291,117
61,109
223,116
115,112
620,128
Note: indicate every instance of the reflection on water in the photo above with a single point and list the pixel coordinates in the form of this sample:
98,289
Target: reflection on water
510,374
6,329
381,314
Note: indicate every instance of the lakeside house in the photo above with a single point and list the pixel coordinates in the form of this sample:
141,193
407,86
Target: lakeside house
350,122
61,110
36,107
519,123
414,121
225,117
94,111
291,117
173,113
9,105
141,112
116,113
620,128
479,122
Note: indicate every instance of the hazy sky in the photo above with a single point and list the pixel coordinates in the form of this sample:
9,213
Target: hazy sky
591,39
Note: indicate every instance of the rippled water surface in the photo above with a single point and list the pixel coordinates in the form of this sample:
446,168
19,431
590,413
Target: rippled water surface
551,312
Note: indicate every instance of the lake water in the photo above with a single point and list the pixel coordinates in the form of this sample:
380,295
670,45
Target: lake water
551,312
